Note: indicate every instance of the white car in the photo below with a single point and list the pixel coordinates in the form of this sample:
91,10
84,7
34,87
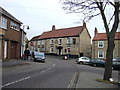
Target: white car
83,60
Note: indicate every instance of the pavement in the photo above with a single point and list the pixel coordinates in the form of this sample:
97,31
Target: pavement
15,62
81,80
88,80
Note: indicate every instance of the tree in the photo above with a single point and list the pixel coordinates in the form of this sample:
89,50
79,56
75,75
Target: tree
92,8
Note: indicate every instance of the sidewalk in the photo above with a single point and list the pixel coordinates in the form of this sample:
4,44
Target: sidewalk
14,62
88,80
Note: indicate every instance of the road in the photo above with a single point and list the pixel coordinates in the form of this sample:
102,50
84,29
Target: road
54,73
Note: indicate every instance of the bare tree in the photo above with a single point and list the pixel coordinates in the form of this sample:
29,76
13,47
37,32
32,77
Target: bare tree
92,8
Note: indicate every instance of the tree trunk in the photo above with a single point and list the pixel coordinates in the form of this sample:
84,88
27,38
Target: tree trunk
109,57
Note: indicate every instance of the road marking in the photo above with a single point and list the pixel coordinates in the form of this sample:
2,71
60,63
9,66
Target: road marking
15,81
54,65
48,68
72,81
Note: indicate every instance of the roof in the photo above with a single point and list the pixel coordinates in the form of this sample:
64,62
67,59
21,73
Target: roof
66,32
35,38
102,36
4,12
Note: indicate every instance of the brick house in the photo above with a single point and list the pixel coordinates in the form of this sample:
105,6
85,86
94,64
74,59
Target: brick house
75,41
9,36
99,45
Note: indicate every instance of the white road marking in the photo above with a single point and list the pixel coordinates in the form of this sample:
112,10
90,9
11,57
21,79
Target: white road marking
48,68
54,65
15,81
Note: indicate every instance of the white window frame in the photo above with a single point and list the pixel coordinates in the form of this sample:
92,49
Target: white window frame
38,42
69,40
102,53
3,22
38,49
52,41
59,41
100,43
43,42
51,48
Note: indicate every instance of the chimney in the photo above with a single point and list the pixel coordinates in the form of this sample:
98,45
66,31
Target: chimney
95,32
84,24
53,27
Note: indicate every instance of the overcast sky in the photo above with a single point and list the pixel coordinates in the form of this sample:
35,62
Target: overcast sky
40,15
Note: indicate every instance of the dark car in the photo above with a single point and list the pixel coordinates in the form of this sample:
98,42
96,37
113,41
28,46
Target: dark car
97,63
39,57
116,64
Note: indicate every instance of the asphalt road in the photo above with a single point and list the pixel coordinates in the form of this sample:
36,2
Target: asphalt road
54,73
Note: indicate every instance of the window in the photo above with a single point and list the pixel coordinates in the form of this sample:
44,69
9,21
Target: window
69,40
60,41
68,49
38,42
43,42
14,26
100,54
38,49
52,50
65,50
100,44
51,41
3,23
74,41
43,49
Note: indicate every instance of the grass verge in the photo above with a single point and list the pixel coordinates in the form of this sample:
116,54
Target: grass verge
109,82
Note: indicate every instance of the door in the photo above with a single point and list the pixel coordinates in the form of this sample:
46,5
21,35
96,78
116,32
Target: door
13,50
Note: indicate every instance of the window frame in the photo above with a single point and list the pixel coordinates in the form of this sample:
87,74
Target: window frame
51,41
51,49
100,44
60,41
3,22
102,53
69,40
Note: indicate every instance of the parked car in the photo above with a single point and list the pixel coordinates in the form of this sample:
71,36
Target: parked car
83,60
39,57
116,64
97,63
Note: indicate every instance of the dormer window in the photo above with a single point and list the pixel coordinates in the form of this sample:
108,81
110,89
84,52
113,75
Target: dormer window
100,44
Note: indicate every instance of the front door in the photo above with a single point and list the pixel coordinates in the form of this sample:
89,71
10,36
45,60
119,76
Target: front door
13,50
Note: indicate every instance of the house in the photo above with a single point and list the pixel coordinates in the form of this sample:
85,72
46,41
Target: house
73,41
9,36
99,45
34,44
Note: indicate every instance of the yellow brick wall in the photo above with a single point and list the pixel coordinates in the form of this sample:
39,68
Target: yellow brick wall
85,43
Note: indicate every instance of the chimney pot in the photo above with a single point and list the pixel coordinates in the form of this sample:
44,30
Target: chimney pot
95,32
53,27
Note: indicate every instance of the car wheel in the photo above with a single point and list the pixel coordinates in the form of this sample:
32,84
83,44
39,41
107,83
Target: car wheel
94,65
81,63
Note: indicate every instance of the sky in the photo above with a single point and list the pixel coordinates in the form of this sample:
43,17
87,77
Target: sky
40,15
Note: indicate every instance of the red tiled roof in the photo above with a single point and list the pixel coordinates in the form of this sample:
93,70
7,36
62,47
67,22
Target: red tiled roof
74,31
102,36
35,38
